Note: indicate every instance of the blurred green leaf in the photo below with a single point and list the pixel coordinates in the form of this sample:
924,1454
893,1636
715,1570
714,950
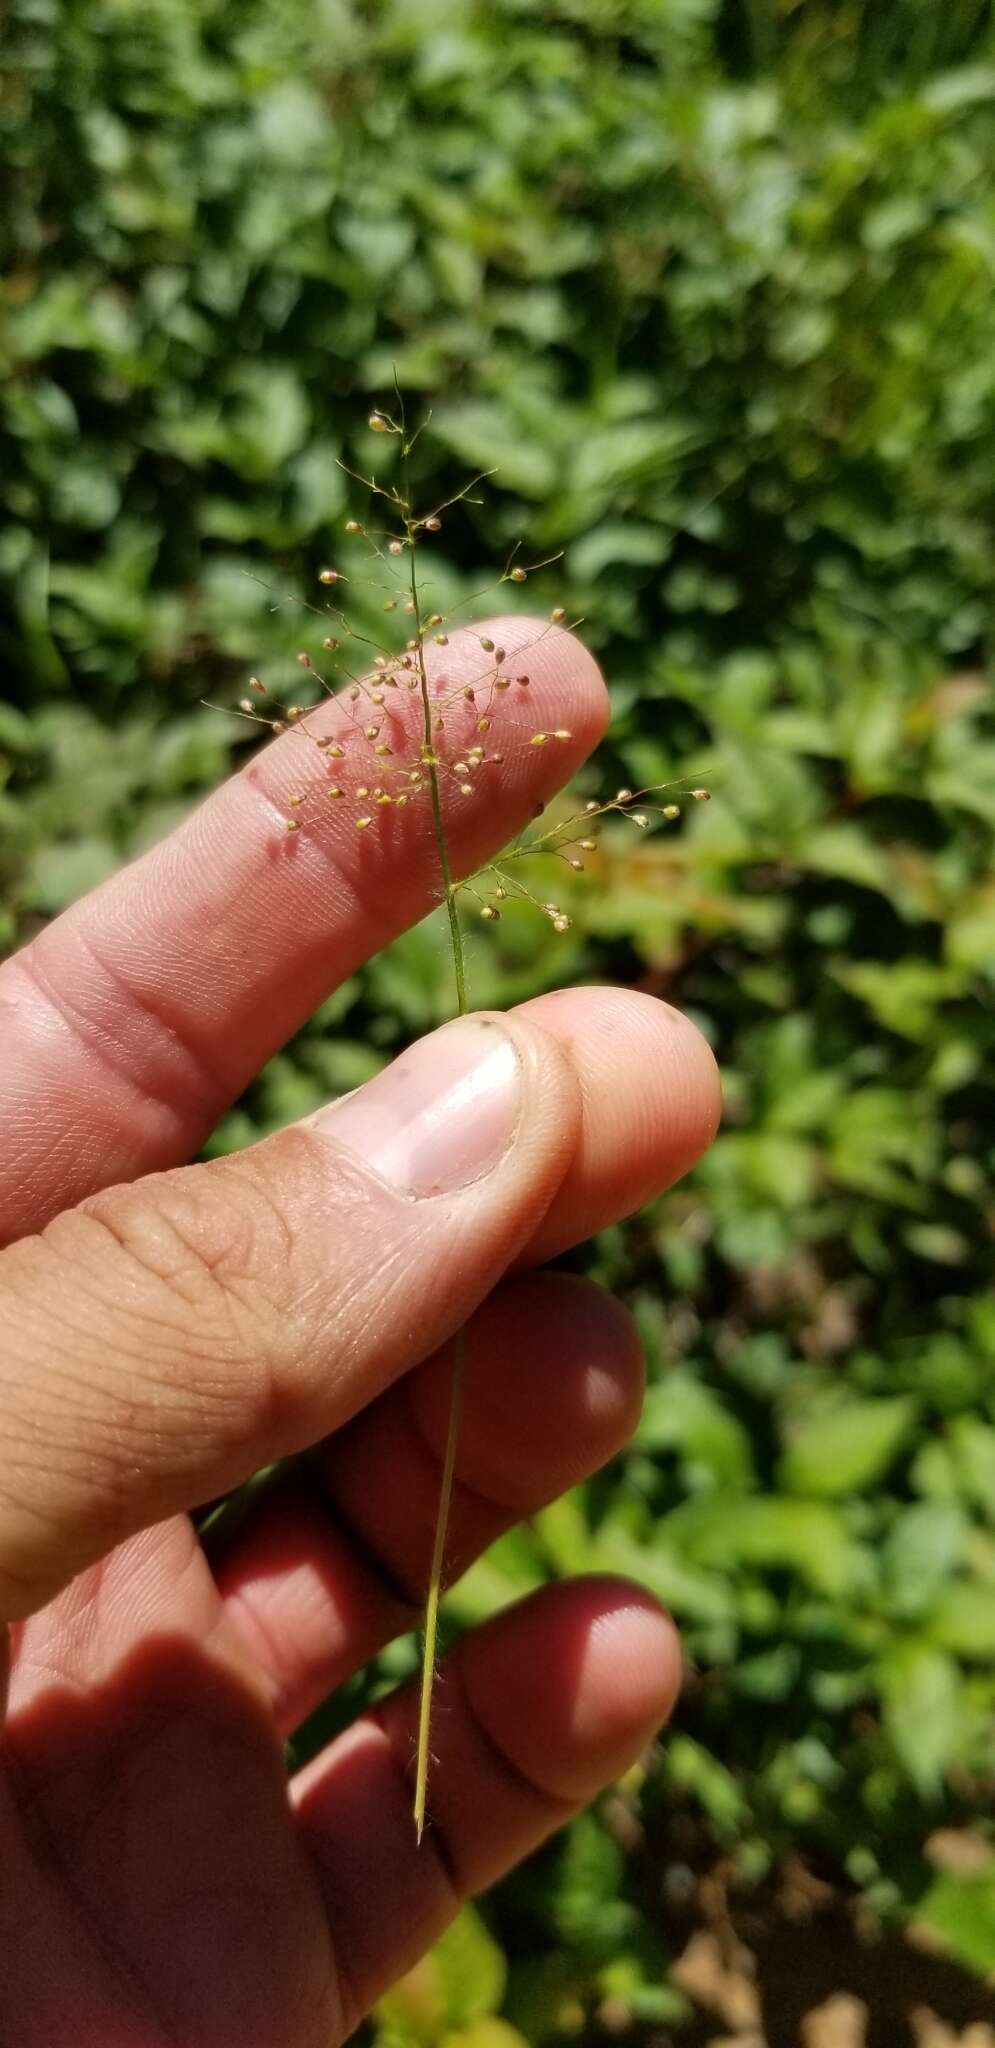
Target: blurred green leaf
961,1910
845,1447
923,1711
682,1415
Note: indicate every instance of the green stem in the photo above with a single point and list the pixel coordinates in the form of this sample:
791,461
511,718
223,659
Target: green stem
431,1634
434,1595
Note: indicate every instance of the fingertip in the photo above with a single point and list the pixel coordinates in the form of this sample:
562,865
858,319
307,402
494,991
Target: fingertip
651,1096
562,665
572,1684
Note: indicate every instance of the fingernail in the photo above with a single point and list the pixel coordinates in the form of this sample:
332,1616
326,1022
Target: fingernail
441,1116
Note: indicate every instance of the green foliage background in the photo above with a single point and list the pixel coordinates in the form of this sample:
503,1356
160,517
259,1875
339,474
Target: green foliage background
712,286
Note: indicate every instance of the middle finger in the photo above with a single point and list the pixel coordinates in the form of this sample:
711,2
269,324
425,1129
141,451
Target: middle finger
332,1566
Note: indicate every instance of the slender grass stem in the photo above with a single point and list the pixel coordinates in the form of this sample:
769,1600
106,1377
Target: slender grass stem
434,1594
431,1632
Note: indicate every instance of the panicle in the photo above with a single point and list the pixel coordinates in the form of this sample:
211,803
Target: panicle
376,764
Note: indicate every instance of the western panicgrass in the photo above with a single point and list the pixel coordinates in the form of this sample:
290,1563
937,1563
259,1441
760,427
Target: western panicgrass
379,762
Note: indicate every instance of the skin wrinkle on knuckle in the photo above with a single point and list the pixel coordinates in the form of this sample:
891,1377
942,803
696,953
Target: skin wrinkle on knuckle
557,1808
97,1044
203,1078
216,1270
54,1442
128,1346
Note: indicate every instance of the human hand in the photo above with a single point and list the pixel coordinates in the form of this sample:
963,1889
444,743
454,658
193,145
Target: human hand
165,1330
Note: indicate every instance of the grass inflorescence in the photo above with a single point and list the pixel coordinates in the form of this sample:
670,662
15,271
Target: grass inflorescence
380,761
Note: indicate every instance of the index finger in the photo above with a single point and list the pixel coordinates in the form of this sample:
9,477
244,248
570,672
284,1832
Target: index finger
133,1021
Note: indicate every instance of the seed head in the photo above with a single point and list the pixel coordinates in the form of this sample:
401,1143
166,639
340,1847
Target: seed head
561,923
432,525
490,914
396,547
353,526
442,639
363,823
255,684
623,796
671,811
328,575
517,575
246,704
557,615
702,796
488,646
303,660
330,644
639,818
377,424
293,824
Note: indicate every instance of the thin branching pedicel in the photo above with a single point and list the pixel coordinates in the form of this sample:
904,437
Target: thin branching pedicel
376,766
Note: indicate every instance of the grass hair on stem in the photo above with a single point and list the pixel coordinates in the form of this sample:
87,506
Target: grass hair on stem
384,757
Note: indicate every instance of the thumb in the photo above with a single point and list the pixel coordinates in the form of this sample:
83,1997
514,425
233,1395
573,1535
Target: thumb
165,1340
